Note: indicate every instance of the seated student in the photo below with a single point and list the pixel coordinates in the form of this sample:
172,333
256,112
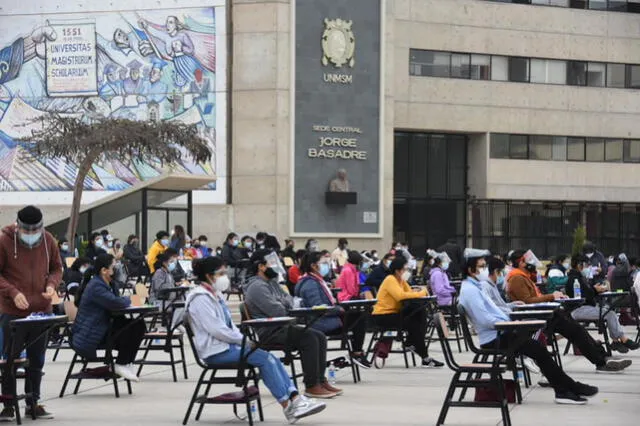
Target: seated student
134,257
218,340
483,314
189,252
349,279
314,291
521,287
264,298
95,302
556,274
74,276
439,280
163,276
494,282
386,312
380,272
589,311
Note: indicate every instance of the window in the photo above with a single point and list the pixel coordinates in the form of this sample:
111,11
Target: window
559,148
541,147
518,147
595,149
460,64
596,73
634,76
499,145
598,4
500,68
519,69
548,71
429,63
632,151
615,75
633,6
618,5
480,67
577,73
613,150
575,149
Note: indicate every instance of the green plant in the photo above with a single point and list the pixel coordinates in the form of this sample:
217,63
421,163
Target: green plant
579,238
83,248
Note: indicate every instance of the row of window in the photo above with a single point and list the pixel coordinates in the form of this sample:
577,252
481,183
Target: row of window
564,148
632,6
434,63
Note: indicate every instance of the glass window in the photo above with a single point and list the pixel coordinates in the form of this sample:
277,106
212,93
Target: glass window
548,71
518,147
480,67
460,64
561,3
615,75
632,151
429,63
578,4
598,4
559,148
577,73
633,6
538,71
596,72
595,149
618,5
575,149
613,149
499,145
540,147
500,68
519,69
634,76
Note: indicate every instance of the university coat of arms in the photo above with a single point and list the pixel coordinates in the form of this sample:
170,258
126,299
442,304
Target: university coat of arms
338,43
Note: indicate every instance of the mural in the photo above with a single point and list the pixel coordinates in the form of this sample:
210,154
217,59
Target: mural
148,65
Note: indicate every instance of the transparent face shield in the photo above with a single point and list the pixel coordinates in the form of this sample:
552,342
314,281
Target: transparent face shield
531,259
473,252
273,261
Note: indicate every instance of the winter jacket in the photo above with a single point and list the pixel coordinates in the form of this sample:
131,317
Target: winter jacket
152,256
92,252
94,315
266,299
441,287
161,280
134,259
520,287
555,281
378,274
231,255
29,271
349,283
315,293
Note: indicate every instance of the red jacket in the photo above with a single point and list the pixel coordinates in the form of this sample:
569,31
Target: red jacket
28,271
349,283
294,274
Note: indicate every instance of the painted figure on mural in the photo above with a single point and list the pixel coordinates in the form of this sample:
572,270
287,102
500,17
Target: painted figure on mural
133,84
112,85
155,89
24,49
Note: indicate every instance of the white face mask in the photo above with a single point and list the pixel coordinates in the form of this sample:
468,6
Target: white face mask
65,247
566,265
483,274
406,276
83,269
445,266
589,255
99,243
222,283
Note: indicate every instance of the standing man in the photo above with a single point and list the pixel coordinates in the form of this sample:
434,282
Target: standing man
30,270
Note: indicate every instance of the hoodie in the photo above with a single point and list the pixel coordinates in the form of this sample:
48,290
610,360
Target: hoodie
266,299
27,270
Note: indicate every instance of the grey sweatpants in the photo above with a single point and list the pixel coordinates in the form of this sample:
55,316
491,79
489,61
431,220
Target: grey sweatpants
587,312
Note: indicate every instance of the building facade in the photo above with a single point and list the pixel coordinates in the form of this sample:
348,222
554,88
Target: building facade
500,123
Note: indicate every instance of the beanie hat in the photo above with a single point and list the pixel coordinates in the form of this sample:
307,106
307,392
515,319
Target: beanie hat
30,217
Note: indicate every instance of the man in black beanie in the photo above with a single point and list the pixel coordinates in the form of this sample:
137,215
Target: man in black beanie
30,270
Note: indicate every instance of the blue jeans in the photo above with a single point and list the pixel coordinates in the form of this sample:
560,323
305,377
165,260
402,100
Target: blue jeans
275,377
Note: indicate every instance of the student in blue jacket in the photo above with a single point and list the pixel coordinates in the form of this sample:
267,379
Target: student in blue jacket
95,302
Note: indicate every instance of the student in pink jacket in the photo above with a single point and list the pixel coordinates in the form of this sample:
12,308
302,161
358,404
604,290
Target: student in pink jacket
349,280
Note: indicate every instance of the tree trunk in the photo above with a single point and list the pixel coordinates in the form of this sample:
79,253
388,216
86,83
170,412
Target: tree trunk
78,187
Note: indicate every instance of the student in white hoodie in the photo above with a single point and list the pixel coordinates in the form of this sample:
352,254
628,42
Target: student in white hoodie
218,340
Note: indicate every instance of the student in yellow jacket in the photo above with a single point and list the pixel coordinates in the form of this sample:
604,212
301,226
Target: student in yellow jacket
159,246
387,312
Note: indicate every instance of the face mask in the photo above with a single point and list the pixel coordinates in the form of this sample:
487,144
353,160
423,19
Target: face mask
134,242
260,243
234,243
398,247
313,247
365,267
218,252
566,265
483,274
430,262
204,244
406,276
387,264
586,272
324,269
99,243
248,244
187,245
165,242
589,255
271,273
109,244
222,283
445,266
500,280
65,247
171,266
83,269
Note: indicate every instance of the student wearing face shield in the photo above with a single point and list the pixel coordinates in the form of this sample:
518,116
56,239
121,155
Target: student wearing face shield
30,271
596,260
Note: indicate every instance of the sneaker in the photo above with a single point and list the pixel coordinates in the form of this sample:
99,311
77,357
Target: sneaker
613,366
569,398
544,383
302,407
328,386
431,363
361,360
125,372
41,412
531,366
319,392
619,347
631,344
7,415
588,391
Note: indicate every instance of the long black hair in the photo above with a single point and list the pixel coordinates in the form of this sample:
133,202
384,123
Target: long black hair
203,267
310,259
103,260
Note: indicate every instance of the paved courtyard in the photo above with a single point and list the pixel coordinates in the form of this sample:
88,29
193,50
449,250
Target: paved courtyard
391,396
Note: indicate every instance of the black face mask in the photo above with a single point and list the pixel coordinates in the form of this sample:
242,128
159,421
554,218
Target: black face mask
531,268
270,273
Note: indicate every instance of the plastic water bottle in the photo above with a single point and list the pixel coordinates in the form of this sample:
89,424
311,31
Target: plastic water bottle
332,374
521,377
181,254
253,405
577,293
